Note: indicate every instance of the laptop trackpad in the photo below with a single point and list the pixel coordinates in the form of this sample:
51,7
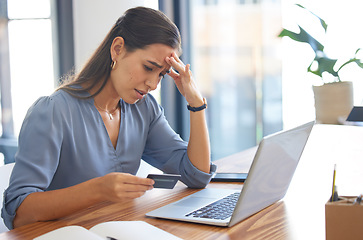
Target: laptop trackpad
194,202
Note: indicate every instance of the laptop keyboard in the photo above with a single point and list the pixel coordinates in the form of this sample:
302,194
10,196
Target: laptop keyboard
220,209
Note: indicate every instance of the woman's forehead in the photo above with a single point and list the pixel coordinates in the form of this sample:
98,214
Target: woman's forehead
156,54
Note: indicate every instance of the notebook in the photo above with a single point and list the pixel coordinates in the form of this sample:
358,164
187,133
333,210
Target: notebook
268,179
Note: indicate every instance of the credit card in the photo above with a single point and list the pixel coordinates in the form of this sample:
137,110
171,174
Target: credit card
167,181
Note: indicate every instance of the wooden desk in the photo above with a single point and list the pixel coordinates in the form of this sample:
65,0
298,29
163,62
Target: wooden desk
300,215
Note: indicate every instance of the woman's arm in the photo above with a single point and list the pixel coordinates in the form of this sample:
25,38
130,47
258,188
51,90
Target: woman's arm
49,205
198,146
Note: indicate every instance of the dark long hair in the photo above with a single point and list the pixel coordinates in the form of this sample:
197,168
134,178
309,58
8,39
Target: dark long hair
139,27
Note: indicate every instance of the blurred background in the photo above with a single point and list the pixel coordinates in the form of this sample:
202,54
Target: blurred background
255,82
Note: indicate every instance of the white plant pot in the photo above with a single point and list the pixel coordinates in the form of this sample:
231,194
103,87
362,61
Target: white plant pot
333,101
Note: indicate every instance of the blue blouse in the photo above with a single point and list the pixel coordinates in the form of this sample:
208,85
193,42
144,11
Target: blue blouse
63,142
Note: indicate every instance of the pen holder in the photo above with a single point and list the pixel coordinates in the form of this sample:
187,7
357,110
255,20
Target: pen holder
343,219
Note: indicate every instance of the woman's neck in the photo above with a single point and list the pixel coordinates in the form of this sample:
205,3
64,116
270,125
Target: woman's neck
107,99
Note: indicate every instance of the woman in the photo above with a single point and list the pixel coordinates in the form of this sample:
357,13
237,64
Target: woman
83,144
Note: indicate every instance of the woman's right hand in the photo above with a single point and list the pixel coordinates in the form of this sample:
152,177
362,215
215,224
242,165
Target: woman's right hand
117,186
49,205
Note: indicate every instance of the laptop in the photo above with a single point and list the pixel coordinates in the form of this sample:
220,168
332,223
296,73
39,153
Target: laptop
268,179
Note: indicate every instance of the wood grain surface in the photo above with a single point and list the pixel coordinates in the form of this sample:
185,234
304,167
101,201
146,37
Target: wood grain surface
299,215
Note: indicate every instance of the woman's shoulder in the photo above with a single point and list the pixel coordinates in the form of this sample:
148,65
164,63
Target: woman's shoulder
58,101
62,95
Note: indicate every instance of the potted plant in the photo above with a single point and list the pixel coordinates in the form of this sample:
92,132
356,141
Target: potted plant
334,98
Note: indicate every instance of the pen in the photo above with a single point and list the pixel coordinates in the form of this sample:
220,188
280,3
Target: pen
358,200
333,188
335,196
111,238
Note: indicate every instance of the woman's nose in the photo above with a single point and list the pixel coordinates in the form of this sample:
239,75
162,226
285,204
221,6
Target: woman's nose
152,83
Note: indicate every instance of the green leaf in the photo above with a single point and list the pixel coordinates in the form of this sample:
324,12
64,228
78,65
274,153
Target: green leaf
325,64
359,63
355,60
303,36
322,22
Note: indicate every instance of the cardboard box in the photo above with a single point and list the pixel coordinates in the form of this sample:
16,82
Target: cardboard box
343,219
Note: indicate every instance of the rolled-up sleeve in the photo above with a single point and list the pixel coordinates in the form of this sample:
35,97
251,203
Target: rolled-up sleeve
37,156
166,151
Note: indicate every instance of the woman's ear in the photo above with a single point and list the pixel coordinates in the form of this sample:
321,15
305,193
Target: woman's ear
117,47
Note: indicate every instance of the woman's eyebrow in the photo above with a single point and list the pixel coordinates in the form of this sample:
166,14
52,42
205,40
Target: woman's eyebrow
167,70
155,64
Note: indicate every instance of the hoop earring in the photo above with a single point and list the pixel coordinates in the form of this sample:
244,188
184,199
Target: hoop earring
113,64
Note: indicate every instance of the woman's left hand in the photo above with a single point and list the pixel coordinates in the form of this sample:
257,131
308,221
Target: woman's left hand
184,80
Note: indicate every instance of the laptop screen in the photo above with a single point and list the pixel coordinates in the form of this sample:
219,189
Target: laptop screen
272,170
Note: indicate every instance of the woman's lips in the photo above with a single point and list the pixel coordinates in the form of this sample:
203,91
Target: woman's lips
140,94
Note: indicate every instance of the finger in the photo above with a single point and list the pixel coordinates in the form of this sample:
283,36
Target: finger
187,68
125,189
132,179
173,74
176,65
176,57
133,195
129,187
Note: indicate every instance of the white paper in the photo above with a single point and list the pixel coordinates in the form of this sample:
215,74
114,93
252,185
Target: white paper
133,230
69,233
125,230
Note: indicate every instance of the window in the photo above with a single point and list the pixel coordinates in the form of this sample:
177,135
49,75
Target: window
31,54
234,48
26,57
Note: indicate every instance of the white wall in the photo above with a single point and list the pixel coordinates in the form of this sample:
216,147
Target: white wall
92,21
